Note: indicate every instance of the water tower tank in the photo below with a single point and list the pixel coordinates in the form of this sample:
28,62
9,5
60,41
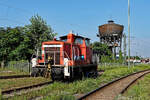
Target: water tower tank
110,29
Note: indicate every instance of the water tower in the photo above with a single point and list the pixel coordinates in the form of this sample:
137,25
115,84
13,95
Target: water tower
111,34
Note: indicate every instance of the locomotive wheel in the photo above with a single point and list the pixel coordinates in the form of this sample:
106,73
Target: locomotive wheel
43,73
93,74
39,72
34,72
56,74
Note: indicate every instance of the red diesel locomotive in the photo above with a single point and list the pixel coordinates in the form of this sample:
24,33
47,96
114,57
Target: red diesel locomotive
71,58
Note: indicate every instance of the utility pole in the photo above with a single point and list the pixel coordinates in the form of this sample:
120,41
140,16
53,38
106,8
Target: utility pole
125,46
128,33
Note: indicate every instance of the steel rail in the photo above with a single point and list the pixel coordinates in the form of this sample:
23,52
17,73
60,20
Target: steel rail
25,87
14,76
125,89
119,79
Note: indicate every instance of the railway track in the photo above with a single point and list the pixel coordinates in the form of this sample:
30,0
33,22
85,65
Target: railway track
110,90
14,76
9,93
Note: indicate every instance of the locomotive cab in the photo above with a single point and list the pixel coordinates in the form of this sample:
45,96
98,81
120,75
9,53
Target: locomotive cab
71,57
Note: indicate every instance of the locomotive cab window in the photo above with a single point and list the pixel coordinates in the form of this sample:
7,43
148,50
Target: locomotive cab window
79,40
64,40
87,42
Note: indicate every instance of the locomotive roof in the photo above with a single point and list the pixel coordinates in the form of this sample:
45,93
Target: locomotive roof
76,36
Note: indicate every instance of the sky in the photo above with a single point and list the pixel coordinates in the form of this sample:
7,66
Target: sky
83,17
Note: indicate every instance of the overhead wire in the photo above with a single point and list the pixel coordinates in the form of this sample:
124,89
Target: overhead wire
15,21
21,9
6,16
140,47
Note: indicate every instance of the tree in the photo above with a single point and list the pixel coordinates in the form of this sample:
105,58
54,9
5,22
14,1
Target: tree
10,39
38,31
120,57
2,50
15,37
103,51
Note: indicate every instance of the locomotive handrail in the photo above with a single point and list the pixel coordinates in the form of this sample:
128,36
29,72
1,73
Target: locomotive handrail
67,55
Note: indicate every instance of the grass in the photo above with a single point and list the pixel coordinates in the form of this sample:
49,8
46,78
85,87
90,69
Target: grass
11,71
6,84
68,91
140,91
0,94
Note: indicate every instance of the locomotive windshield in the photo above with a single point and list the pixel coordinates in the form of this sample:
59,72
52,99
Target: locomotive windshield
87,42
79,40
63,38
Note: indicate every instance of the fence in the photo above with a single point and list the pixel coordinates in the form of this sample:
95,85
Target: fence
112,64
25,65
19,65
